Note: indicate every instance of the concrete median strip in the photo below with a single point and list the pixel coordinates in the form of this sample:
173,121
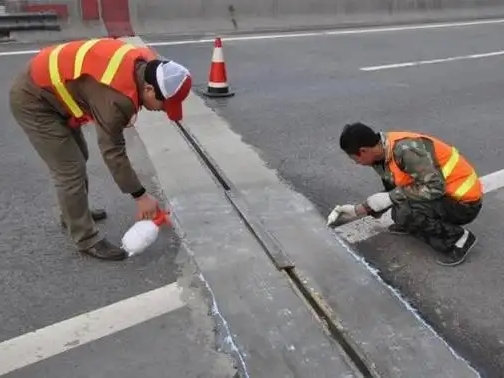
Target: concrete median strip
390,338
269,329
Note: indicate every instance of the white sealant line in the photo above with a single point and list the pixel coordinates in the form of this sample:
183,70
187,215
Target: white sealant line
433,61
367,227
407,304
46,342
228,340
301,35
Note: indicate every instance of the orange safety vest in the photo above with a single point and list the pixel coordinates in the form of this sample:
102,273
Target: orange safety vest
110,61
462,182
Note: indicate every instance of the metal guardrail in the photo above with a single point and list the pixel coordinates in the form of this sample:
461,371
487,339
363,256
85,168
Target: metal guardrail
10,22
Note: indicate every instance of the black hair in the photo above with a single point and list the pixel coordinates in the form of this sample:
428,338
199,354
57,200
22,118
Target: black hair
357,135
150,77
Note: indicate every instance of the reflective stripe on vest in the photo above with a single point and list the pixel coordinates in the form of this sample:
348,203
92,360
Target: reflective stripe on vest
106,78
462,182
448,169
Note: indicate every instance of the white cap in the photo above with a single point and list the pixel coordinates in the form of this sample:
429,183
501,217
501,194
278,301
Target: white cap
170,76
174,81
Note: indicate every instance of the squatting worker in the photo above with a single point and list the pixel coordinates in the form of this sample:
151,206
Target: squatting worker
432,189
105,81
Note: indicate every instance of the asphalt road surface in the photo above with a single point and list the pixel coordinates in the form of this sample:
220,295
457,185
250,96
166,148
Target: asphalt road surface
44,281
294,95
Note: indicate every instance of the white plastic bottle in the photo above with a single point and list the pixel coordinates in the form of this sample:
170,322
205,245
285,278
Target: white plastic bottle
143,233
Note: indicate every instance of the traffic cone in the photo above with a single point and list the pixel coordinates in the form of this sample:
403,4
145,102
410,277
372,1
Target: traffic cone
217,79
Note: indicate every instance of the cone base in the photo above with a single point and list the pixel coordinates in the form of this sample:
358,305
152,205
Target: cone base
217,92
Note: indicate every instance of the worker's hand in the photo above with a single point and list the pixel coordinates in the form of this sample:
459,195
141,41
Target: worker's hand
338,211
148,207
379,202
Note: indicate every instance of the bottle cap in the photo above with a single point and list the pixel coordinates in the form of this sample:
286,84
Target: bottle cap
163,216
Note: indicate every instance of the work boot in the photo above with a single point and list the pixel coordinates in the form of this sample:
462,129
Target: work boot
105,250
397,229
457,255
96,214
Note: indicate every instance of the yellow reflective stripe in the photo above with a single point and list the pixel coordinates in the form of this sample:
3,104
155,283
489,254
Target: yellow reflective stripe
55,76
466,186
81,54
114,63
451,163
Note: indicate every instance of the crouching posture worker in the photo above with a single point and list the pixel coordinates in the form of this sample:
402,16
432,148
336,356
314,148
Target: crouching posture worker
432,189
104,81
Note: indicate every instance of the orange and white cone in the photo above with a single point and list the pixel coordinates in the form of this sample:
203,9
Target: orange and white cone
217,79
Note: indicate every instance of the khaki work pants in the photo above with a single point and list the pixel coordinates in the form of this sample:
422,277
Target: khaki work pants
65,152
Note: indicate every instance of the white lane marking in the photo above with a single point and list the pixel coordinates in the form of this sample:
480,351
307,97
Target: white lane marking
46,342
493,181
433,61
301,35
20,52
365,228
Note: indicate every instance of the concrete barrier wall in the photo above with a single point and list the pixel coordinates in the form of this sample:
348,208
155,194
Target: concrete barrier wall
221,16
85,18
174,9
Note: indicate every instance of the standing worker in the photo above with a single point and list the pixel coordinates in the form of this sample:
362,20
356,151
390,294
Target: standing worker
432,189
105,81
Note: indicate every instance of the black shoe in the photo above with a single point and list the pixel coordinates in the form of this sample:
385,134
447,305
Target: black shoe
96,214
457,255
397,229
105,250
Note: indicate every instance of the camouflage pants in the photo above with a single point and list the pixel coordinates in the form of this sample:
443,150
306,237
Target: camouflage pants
437,223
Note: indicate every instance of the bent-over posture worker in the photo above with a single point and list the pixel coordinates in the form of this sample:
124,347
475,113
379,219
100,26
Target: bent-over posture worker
105,81
432,189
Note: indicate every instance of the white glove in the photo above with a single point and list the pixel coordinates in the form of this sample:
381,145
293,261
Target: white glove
339,210
379,201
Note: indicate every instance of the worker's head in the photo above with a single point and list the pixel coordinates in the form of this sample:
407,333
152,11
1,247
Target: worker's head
361,143
166,86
